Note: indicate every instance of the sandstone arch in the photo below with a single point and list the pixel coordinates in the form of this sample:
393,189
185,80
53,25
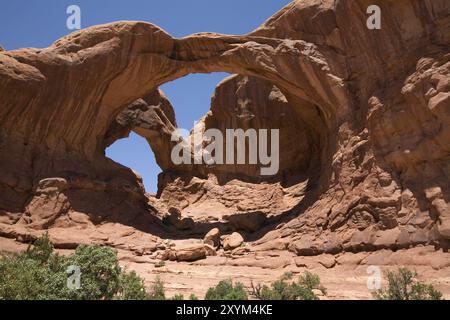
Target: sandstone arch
384,178
129,59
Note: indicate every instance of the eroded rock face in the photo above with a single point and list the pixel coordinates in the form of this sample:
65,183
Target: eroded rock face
363,113
241,191
153,118
243,102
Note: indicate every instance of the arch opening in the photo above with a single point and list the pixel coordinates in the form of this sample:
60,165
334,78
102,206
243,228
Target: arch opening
134,153
239,102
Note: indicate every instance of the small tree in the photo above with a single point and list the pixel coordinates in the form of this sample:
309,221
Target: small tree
35,274
311,282
157,290
225,290
403,286
100,272
23,279
40,250
132,287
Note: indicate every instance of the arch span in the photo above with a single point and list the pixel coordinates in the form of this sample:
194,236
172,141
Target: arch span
99,71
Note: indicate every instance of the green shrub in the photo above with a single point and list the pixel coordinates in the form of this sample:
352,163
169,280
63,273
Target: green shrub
100,272
132,287
284,290
403,286
40,274
157,291
288,275
225,290
41,250
193,297
22,279
311,282
181,297
35,274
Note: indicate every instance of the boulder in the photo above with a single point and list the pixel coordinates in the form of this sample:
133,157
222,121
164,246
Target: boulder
306,246
212,237
191,254
326,260
232,241
188,252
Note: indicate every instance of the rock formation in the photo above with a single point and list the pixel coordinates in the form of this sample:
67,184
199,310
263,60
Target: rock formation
363,116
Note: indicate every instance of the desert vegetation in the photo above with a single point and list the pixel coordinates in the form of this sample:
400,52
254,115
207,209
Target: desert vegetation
39,273
226,290
403,285
306,287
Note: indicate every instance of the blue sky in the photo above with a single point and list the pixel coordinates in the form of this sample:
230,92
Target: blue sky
38,23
